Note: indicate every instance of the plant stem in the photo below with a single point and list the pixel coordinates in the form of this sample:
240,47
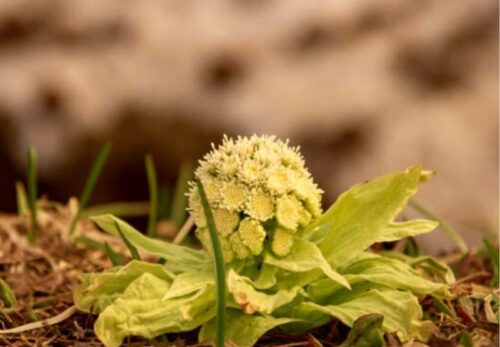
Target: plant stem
90,184
32,192
220,280
178,211
181,235
450,231
153,195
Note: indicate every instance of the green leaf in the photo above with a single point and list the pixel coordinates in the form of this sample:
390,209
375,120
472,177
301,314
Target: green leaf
140,311
133,251
179,258
398,230
112,255
32,191
153,195
88,188
378,270
305,256
366,332
401,310
98,290
266,277
188,283
394,274
21,199
243,330
360,216
251,300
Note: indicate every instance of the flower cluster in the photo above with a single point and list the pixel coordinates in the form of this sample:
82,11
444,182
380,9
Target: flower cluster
260,193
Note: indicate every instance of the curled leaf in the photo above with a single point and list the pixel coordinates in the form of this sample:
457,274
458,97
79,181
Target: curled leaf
401,310
306,256
398,230
251,300
140,311
98,290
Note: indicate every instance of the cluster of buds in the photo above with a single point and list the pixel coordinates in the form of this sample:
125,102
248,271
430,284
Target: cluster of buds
260,193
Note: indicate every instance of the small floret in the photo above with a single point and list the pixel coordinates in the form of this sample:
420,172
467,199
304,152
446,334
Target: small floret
240,250
282,242
225,221
260,206
252,235
234,196
305,217
288,211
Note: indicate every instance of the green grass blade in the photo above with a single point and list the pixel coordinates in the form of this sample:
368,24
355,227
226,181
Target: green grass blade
178,213
21,199
450,231
494,256
164,202
466,340
112,255
89,242
7,295
220,274
444,307
153,195
90,183
133,251
94,175
32,191
412,248
119,209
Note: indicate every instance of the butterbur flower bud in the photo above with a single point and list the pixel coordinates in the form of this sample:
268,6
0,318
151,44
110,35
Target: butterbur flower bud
259,191
282,241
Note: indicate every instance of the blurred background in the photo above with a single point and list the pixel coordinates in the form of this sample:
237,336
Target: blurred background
364,87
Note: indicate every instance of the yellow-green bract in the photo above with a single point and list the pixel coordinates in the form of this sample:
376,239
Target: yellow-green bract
259,189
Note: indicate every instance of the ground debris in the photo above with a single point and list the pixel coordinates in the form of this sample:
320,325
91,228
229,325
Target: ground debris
40,279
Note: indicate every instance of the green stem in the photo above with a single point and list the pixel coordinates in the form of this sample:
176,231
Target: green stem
178,211
450,231
32,192
184,231
90,184
220,289
153,195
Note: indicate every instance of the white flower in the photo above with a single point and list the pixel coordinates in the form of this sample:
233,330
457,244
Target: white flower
259,191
